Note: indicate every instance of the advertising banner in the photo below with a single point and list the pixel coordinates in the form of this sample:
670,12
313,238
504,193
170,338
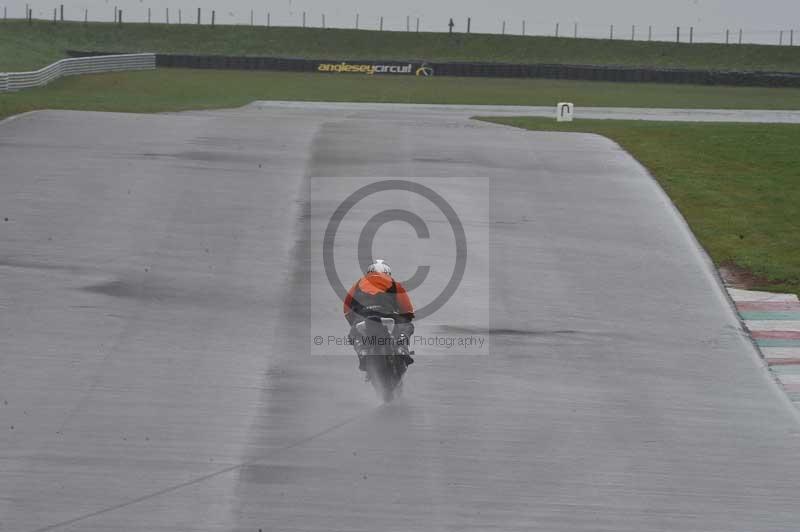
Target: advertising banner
371,69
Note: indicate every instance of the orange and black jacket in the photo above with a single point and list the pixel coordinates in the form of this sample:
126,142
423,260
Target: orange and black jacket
378,294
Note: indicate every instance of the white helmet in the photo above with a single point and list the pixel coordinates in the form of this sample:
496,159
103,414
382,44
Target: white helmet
380,267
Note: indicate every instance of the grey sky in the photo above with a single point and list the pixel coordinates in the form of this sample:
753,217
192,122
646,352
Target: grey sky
761,20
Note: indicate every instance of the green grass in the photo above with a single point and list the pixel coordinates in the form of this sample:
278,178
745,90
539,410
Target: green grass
23,47
181,89
738,186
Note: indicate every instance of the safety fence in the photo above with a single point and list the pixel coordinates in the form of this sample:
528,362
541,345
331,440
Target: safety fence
14,81
619,74
496,70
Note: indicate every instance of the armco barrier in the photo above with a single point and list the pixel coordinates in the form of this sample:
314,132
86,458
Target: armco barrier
14,81
497,70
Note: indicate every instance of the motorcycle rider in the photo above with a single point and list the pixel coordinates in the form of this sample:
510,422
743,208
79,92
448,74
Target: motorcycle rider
377,295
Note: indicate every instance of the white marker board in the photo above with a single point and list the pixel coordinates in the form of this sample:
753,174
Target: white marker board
565,112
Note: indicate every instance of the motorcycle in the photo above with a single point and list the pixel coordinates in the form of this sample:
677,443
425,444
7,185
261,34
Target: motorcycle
384,355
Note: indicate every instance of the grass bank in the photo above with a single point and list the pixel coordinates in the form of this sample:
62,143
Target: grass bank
181,89
738,186
23,47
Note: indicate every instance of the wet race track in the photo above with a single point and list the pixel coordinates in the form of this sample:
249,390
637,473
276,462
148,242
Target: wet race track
161,283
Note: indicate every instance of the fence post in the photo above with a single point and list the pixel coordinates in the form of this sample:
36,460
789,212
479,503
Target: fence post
575,32
611,34
55,15
269,17
149,16
252,17
740,35
417,24
791,37
381,23
116,16
691,34
469,24
30,16
780,39
304,19
727,36
633,32
408,23
678,34
356,20
523,27
120,17
213,18
86,15
557,25
180,20
167,15
62,12
198,16
504,27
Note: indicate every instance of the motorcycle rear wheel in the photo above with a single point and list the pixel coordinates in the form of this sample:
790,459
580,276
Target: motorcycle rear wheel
382,376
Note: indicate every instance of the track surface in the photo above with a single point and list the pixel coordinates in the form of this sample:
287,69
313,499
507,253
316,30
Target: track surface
595,113
154,359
